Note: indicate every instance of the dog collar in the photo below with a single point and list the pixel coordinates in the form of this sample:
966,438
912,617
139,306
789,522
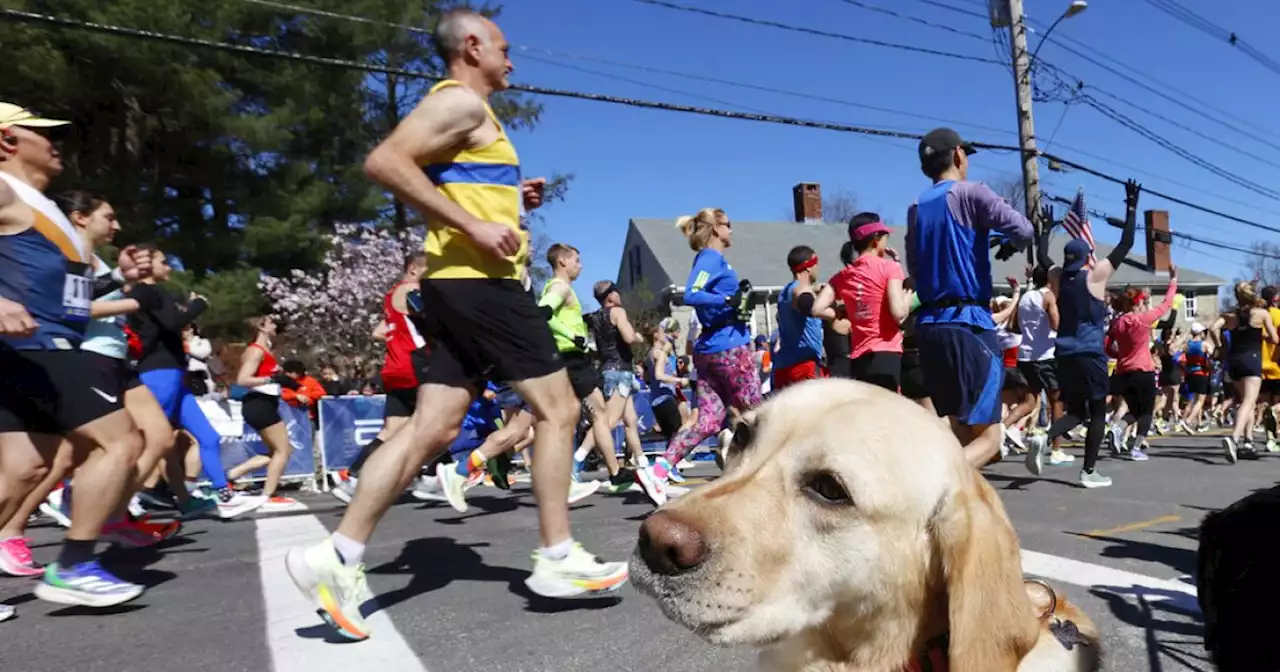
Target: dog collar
933,658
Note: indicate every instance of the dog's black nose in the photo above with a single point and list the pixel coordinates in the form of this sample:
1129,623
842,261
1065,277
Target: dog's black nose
669,545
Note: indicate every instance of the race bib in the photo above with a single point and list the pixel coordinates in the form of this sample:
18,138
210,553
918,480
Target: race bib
77,292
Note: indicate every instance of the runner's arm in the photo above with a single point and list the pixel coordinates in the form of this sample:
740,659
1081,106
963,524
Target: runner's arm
1051,309
703,274
553,298
1159,311
164,309
995,214
660,368
823,304
442,121
1215,331
1269,329
380,331
620,320
113,308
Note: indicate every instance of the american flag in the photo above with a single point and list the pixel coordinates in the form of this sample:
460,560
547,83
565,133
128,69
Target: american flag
1076,222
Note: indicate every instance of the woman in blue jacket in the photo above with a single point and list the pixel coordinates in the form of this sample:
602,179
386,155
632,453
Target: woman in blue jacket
722,357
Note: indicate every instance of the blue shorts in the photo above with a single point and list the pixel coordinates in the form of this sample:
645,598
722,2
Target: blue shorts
620,382
963,371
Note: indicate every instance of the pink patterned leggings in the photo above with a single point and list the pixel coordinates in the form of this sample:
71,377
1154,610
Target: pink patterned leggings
729,375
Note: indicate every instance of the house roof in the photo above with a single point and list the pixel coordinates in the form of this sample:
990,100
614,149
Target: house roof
760,248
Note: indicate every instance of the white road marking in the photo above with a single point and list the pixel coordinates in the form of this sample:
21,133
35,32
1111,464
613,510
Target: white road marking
1115,581
287,611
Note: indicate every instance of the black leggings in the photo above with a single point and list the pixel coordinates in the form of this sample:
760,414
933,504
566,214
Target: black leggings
1139,391
1097,410
667,413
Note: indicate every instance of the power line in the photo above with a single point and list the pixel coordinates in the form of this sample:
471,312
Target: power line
29,17
1178,124
1118,223
1189,17
890,12
958,10
1129,123
1200,105
813,31
757,87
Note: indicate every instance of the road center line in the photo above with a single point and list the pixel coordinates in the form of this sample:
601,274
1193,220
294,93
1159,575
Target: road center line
1114,581
1132,526
288,611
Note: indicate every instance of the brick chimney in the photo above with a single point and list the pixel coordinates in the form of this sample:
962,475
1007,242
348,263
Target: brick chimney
808,201
1159,240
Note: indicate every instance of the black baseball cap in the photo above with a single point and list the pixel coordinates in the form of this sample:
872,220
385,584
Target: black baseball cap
942,141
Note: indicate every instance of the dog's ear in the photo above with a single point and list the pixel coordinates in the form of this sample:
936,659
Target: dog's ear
992,621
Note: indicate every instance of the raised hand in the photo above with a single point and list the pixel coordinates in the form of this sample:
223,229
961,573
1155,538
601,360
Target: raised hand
1131,191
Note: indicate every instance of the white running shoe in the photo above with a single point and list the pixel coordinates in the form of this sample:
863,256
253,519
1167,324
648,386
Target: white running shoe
1035,454
345,490
654,488
453,486
1014,436
1229,447
428,488
1058,457
581,491
52,506
135,507
239,504
578,574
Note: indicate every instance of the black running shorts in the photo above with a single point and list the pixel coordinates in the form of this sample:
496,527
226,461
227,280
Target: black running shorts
883,369
485,329
913,385
582,374
110,367
1198,384
260,410
400,403
55,391
1040,375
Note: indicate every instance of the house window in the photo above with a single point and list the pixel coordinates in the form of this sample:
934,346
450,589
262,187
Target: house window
636,268
1189,307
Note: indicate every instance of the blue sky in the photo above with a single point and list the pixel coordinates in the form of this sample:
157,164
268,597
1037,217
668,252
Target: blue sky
643,163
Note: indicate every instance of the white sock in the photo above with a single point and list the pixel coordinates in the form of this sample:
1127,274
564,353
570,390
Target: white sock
581,454
350,551
558,551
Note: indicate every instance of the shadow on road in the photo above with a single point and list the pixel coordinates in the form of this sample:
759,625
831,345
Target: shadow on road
1181,559
435,562
1142,612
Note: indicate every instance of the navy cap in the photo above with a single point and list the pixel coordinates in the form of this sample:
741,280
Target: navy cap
1075,255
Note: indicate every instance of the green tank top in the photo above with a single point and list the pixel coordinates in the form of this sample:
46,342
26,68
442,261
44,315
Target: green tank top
570,315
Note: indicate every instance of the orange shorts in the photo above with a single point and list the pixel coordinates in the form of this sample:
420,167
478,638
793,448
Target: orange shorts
784,376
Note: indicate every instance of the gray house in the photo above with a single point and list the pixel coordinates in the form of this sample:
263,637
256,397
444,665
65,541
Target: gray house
656,260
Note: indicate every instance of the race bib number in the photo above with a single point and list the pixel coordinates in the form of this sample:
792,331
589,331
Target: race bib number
77,292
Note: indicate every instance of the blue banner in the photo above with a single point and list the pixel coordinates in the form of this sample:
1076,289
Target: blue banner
237,449
347,424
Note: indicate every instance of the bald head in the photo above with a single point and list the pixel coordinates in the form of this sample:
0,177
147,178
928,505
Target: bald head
455,27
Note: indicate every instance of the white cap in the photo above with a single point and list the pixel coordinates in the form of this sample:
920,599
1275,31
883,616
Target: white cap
1197,328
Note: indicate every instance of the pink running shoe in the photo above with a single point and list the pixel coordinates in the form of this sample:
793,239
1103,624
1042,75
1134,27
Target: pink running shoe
129,534
15,558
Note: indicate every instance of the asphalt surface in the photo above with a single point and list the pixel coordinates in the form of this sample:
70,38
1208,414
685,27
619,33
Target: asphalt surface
452,583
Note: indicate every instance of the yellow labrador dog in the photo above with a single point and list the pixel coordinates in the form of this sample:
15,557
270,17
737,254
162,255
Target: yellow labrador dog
848,534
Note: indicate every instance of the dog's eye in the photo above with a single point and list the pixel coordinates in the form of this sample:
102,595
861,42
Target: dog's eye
827,489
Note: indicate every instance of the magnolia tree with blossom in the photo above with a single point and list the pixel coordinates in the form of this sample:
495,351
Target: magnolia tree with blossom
330,313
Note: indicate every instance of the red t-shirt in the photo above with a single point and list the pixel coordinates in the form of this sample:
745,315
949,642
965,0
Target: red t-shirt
862,286
1129,338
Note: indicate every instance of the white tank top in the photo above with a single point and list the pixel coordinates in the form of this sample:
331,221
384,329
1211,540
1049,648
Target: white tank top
1037,336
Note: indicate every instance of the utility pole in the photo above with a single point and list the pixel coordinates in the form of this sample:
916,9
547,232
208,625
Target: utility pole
1026,125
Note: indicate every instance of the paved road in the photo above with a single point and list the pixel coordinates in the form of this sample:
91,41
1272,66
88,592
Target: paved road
451,597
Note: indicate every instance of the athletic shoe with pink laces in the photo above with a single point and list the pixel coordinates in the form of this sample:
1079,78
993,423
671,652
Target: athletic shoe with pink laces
15,558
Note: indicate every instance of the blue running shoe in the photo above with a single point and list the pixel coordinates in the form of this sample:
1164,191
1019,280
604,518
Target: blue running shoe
577,470
673,474
86,584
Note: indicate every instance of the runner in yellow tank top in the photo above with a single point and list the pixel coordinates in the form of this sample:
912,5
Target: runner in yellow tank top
451,160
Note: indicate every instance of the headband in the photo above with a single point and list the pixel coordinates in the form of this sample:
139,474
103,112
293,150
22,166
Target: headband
600,295
805,265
